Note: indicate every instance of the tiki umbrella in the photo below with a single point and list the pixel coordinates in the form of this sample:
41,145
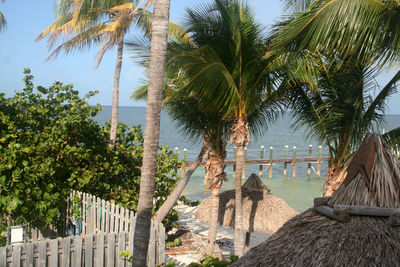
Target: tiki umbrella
357,226
262,211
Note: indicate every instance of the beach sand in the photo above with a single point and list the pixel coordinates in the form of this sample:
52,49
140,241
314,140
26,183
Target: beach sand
198,234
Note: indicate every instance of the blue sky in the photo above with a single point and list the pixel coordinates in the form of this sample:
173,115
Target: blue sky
27,19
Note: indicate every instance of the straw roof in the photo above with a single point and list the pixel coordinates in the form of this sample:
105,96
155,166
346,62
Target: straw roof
262,211
311,238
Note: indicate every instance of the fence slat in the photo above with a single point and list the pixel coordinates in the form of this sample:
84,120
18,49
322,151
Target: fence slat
121,248
66,252
107,217
3,256
111,249
151,249
103,215
121,220
29,255
16,256
161,244
53,253
126,228
100,250
78,251
89,251
112,218
42,253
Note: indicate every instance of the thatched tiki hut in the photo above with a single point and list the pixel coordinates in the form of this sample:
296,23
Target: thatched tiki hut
262,211
357,226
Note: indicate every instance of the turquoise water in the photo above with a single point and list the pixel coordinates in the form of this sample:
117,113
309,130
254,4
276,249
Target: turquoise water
298,192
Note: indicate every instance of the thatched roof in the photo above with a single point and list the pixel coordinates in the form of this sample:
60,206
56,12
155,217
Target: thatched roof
313,239
262,211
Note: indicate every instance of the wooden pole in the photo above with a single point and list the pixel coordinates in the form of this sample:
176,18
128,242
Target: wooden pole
285,164
247,246
271,150
294,162
309,164
244,165
260,173
184,162
319,161
234,165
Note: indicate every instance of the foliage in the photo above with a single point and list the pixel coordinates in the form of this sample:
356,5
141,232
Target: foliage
211,261
176,242
50,145
189,202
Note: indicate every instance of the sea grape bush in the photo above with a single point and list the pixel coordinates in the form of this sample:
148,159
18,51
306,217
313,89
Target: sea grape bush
50,144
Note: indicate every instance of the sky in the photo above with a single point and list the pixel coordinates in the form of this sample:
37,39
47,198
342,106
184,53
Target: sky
26,19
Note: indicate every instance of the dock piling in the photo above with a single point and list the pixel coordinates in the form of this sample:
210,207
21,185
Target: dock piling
294,162
260,173
271,150
309,164
285,163
319,161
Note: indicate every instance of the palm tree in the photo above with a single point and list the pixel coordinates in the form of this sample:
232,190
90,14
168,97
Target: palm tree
3,22
84,23
152,129
366,29
338,107
227,73
194,123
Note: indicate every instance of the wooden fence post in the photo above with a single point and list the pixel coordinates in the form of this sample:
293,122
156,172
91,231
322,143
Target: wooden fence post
271,150
309,164
260,173
319,160
285,163
294,162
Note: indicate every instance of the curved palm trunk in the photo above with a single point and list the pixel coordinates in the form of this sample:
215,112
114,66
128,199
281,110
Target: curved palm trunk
333,180
215,175
240,137
173,197
115,100
152,129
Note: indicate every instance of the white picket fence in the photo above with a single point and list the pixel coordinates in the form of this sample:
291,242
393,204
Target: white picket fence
100,250
106,227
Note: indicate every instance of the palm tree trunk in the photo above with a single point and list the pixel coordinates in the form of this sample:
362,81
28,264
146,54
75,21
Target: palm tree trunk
240,136
173,197
115,100
238,241
215,175
334,178
212,231
152,129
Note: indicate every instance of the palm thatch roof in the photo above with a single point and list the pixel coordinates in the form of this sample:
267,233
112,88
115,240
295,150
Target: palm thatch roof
314,239
262,211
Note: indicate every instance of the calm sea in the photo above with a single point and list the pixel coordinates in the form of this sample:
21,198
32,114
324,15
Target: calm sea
298,192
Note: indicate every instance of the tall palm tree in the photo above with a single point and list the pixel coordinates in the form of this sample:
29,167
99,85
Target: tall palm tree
151,135
338,107
194,123
3,22
84,23
227,73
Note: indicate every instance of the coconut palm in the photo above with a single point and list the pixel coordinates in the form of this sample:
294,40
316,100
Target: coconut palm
227,72
195,124
340,109
151,134
367,29
84,23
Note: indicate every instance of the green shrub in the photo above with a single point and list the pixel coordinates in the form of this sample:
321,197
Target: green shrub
50,144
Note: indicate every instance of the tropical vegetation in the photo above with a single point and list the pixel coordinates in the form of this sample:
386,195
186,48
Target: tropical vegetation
3,22
51,145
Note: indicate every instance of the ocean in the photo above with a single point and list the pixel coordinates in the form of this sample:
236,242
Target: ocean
298,192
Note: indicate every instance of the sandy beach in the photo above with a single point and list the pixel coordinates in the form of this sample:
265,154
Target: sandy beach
199,232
